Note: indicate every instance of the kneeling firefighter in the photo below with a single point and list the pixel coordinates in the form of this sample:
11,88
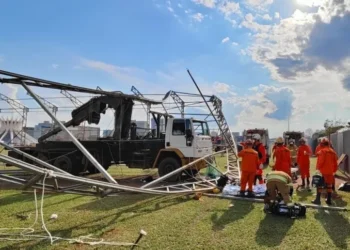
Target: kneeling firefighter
279,184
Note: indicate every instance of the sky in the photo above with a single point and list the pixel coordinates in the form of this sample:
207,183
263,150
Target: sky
270,61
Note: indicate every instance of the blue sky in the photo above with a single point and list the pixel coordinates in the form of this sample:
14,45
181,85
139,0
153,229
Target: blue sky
255,54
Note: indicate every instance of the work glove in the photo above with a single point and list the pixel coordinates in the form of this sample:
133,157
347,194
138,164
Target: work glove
261,166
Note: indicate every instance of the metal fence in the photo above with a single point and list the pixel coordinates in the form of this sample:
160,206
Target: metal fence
341,144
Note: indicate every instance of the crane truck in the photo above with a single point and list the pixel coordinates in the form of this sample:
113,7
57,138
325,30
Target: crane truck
184,140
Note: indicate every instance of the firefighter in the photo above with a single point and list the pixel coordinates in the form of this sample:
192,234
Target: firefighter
250,162
293,152
327,165
279,182
303,160
282,157
260,149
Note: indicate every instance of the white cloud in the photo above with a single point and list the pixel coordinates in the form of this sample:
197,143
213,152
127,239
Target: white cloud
243,52
198,17
168,2
179,5
123,74
229,7
170,9
249,23
225,40
188,11
267,17
258,4
221,87
206,3
55,66
277,15
301,52
235,44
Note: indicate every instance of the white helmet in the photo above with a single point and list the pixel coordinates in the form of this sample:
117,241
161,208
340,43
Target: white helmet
256,137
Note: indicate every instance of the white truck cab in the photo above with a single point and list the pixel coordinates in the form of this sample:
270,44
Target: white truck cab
190,136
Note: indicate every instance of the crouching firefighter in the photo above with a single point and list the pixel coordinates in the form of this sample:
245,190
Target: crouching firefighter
279,187
279,183
327,165
250,162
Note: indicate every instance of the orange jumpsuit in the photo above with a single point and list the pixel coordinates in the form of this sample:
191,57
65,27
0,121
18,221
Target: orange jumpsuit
327,164
260,149
303,159
250,162
283,159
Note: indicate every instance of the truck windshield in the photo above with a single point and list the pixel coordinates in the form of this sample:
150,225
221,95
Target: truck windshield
200,127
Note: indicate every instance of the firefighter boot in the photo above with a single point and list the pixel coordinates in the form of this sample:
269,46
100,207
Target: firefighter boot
308,184
329,199
242,193
251,194
317,201
302,183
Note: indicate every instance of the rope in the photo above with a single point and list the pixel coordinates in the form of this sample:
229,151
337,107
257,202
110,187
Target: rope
27,233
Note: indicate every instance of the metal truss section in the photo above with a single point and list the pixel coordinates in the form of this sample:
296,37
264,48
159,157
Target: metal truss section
178,102
21,110
65,183
76,102
233,168
146,107
18,79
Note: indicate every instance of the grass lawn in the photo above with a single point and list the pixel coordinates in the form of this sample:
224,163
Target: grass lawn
175,222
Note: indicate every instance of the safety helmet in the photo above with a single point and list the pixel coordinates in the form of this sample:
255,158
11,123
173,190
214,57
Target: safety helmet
279,140
302,140
291,141
256,137
325,142
249,142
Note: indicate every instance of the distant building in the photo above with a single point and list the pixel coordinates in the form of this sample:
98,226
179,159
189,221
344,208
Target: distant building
142,128
107,133
162,125
80,132
29,131
40,129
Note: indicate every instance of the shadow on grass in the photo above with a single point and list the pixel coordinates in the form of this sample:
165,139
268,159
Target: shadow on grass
336,225
136,204
304,195
272,230
14,198
230,215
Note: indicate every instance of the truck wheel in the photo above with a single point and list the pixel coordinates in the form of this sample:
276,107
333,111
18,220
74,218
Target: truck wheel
168,165
68,164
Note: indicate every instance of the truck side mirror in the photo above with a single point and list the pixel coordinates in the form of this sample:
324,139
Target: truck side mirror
188,133
189,137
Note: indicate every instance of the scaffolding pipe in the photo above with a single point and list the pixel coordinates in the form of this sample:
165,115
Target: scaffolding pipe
28,156
74,140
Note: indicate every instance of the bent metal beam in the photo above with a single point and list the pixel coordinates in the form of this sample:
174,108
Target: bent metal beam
74,140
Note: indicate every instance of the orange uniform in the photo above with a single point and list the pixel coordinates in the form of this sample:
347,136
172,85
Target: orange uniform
327,164
250,162
283,159
303,160
260,149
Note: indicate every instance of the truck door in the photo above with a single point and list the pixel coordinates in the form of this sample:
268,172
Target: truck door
178,136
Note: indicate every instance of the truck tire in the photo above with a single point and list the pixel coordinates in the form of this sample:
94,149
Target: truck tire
64,163
69,164
166,166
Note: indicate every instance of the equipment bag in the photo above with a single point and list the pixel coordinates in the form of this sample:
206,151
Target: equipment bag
344,187
317,180
294,211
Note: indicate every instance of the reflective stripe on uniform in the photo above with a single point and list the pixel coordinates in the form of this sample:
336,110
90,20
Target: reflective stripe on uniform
276,177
